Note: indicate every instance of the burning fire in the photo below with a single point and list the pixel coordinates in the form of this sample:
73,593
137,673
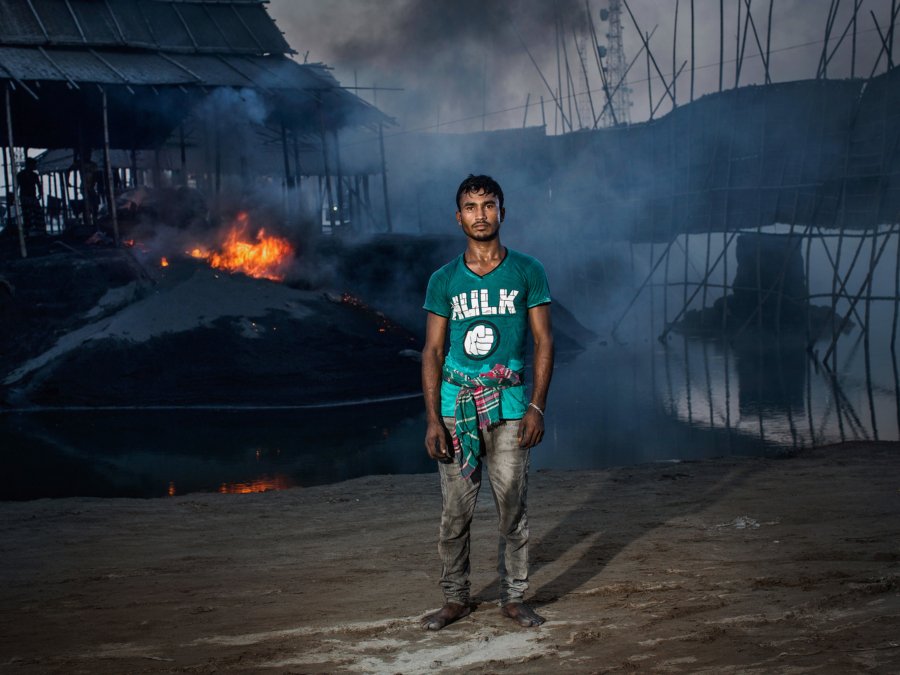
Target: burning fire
262,256
164,262
262,484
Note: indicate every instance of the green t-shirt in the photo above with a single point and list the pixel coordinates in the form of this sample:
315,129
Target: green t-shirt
488,320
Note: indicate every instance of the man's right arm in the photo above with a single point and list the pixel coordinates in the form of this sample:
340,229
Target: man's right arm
432,366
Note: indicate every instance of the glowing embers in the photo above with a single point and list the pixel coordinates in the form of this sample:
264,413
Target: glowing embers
256,255
261,484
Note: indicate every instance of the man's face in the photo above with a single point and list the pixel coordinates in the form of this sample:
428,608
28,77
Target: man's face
480,215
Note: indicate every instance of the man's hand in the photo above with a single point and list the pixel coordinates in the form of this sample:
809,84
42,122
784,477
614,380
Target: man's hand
436,442
531,428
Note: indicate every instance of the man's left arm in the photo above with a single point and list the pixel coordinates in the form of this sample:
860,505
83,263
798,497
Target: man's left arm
531,428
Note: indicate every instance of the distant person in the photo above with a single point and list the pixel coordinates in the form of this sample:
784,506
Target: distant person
91,180
477,409
31,194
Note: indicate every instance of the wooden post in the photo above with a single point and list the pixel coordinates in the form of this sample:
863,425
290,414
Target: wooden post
288,180
218,157
339,177
12,170
181,147
384,183
323,135
64,195
134,169
110,184
367,202
297,170
6,179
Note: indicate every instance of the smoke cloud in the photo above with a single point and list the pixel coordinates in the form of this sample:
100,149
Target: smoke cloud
443,54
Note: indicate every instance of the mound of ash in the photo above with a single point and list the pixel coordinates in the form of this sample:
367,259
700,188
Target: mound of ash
95,328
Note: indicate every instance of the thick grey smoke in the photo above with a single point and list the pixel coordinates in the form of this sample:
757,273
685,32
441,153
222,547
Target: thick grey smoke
453,60
442,53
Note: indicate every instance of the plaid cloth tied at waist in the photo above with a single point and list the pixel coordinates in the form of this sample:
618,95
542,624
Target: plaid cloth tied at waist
477,407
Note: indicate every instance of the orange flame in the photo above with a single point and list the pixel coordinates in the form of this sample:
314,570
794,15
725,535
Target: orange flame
262,256
164,262
262,484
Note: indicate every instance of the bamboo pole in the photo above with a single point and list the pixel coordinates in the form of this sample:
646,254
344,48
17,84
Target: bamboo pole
896,300
554,96
692,50
743,44
559,73
866,337
721,40
587,83
674,61
856,6
110,184
649,83
645,40
769,42
891,33
15,187
570,83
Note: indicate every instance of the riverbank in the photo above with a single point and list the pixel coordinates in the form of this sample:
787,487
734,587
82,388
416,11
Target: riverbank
734,564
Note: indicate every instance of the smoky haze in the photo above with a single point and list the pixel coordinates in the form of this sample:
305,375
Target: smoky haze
458,60
464,67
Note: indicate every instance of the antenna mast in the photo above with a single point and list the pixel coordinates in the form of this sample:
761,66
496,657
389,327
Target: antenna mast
616,64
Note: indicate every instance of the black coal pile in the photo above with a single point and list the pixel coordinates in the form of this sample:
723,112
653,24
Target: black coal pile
96,328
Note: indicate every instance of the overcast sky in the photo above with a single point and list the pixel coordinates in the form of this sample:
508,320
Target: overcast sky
456,60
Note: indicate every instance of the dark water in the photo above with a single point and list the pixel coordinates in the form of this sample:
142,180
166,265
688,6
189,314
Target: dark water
623,401
154,453
611,405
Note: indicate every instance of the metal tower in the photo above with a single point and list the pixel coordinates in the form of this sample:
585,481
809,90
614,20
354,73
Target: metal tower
616,65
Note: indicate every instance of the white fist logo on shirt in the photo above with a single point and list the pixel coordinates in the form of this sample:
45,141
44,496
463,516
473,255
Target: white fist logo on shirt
481,340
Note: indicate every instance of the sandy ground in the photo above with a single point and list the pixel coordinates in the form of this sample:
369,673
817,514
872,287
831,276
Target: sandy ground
732,565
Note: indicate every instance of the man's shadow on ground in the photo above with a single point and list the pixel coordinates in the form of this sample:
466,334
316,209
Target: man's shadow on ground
573,531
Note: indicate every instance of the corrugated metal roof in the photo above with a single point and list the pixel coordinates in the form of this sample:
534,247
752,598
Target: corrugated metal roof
160,69
241,26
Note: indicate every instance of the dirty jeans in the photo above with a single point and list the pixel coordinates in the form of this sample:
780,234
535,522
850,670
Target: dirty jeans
507,466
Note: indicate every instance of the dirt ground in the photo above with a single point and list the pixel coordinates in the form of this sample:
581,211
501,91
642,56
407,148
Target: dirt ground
732,565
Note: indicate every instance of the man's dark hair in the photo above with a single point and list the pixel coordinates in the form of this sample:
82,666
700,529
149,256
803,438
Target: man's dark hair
476,184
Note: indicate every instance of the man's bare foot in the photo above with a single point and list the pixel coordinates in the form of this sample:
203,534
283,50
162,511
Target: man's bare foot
450,612
522,614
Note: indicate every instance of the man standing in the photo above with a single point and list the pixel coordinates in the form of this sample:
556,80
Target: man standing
31,194
476,405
